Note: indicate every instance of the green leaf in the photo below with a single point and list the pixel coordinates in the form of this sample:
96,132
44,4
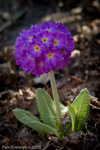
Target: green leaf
28,119
46,108
73,112
25,117
82,104
45,128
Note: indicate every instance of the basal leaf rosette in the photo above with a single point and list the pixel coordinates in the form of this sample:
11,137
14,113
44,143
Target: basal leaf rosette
44,47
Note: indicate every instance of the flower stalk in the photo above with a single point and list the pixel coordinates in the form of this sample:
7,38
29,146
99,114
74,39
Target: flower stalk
55,94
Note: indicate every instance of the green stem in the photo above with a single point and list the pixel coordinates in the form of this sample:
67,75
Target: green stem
55,94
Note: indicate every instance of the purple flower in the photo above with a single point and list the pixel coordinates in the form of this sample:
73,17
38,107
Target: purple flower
35,30
26,37
19,46
70,44
63,62
40,68
59,40
29,62
44,47
62,29
48,26
45,38
52,57
64,128
35,49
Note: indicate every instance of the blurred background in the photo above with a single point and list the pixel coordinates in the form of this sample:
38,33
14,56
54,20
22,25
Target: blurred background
82,18
16,15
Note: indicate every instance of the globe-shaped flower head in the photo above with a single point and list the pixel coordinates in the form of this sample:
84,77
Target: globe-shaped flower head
44,47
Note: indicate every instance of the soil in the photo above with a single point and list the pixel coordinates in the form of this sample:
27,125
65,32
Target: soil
17,89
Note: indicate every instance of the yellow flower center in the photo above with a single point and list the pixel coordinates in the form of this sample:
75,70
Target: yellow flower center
50,55
63,52
31,39
37,48
41,63
48,30
44,39
55,42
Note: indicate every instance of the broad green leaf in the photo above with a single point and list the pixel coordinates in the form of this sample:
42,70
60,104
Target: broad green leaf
25,117
45,128
82,104
28,119
46,108
73,112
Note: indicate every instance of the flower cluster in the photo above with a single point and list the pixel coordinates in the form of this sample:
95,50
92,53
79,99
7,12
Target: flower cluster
66,121
44,47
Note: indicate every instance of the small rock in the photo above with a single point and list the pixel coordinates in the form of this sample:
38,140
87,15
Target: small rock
6,16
